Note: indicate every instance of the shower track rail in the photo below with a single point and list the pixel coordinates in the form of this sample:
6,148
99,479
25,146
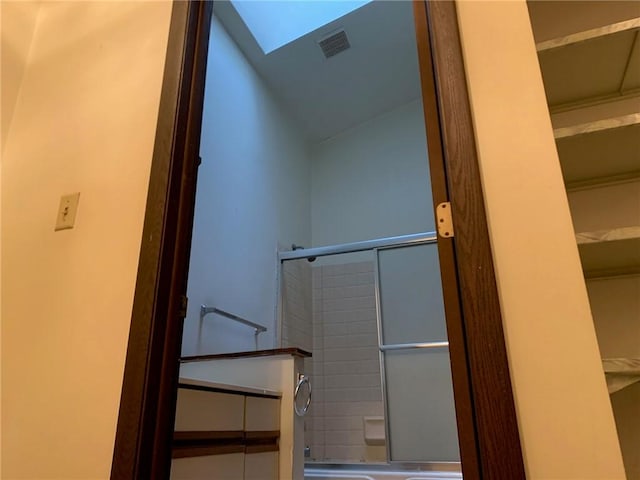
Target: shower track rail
402,240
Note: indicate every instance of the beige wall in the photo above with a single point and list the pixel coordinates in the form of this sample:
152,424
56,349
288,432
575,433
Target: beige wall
18,24
84,120
566,425
17,20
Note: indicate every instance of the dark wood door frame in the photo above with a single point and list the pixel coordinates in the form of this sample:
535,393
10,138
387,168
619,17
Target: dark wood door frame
467,434
487,423
147,405
497,438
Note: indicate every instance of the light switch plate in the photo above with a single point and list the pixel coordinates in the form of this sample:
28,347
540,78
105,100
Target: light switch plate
67,211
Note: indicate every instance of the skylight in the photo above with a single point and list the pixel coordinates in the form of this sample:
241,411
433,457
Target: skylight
276,23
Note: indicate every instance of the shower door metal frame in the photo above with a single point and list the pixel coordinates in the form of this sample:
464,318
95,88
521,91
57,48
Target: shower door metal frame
374,246
363,246
338,249
485,411
382,348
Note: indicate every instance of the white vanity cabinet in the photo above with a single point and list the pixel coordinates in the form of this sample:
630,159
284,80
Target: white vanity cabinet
262,419
261,465
589,54
202,409
220,467
263,438
225,432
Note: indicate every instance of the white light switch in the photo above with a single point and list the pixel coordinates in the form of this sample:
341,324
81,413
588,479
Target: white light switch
67,211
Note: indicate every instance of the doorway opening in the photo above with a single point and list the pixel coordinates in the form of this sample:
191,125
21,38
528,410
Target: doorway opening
330,152
469,294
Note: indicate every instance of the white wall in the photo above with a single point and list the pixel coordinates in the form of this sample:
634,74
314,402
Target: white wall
84,120
564,414
255,181
252,195
368,182
372,181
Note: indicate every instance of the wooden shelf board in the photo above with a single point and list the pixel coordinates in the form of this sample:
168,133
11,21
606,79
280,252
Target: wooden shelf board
621,365
600,156
609,235
601,181
593,111
590,34
621,372
291,351
600,151
611,257
593,64
602,125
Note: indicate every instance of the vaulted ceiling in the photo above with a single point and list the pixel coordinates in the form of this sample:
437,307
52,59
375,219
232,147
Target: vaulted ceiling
326,96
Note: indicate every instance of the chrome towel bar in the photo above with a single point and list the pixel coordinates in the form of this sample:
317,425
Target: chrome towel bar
204,310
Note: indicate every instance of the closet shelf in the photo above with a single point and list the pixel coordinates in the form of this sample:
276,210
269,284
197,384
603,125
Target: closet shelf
592,86
601,151
597,64
607,253
590,34
612,234
606,124
621,372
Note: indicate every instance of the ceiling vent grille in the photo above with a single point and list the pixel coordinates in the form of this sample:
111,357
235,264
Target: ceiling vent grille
335,43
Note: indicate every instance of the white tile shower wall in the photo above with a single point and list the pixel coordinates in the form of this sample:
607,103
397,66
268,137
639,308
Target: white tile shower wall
345,365
296,304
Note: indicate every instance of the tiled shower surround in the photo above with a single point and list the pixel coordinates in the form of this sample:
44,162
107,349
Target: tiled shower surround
344,369
297,326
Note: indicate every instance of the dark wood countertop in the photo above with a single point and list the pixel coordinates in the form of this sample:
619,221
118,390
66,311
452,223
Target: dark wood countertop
293,351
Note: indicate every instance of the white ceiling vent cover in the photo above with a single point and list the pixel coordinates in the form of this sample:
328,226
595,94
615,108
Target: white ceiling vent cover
334,43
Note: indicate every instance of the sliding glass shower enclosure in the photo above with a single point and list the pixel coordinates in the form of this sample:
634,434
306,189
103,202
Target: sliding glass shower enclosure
372,315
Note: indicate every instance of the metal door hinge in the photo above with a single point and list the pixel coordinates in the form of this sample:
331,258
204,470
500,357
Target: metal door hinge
443,220
184,302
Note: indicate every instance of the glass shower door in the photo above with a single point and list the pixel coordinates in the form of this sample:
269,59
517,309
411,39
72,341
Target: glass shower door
414,356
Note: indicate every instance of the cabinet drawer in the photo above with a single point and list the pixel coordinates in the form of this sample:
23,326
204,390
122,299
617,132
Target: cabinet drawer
202,410
262,414
261,466
219,467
